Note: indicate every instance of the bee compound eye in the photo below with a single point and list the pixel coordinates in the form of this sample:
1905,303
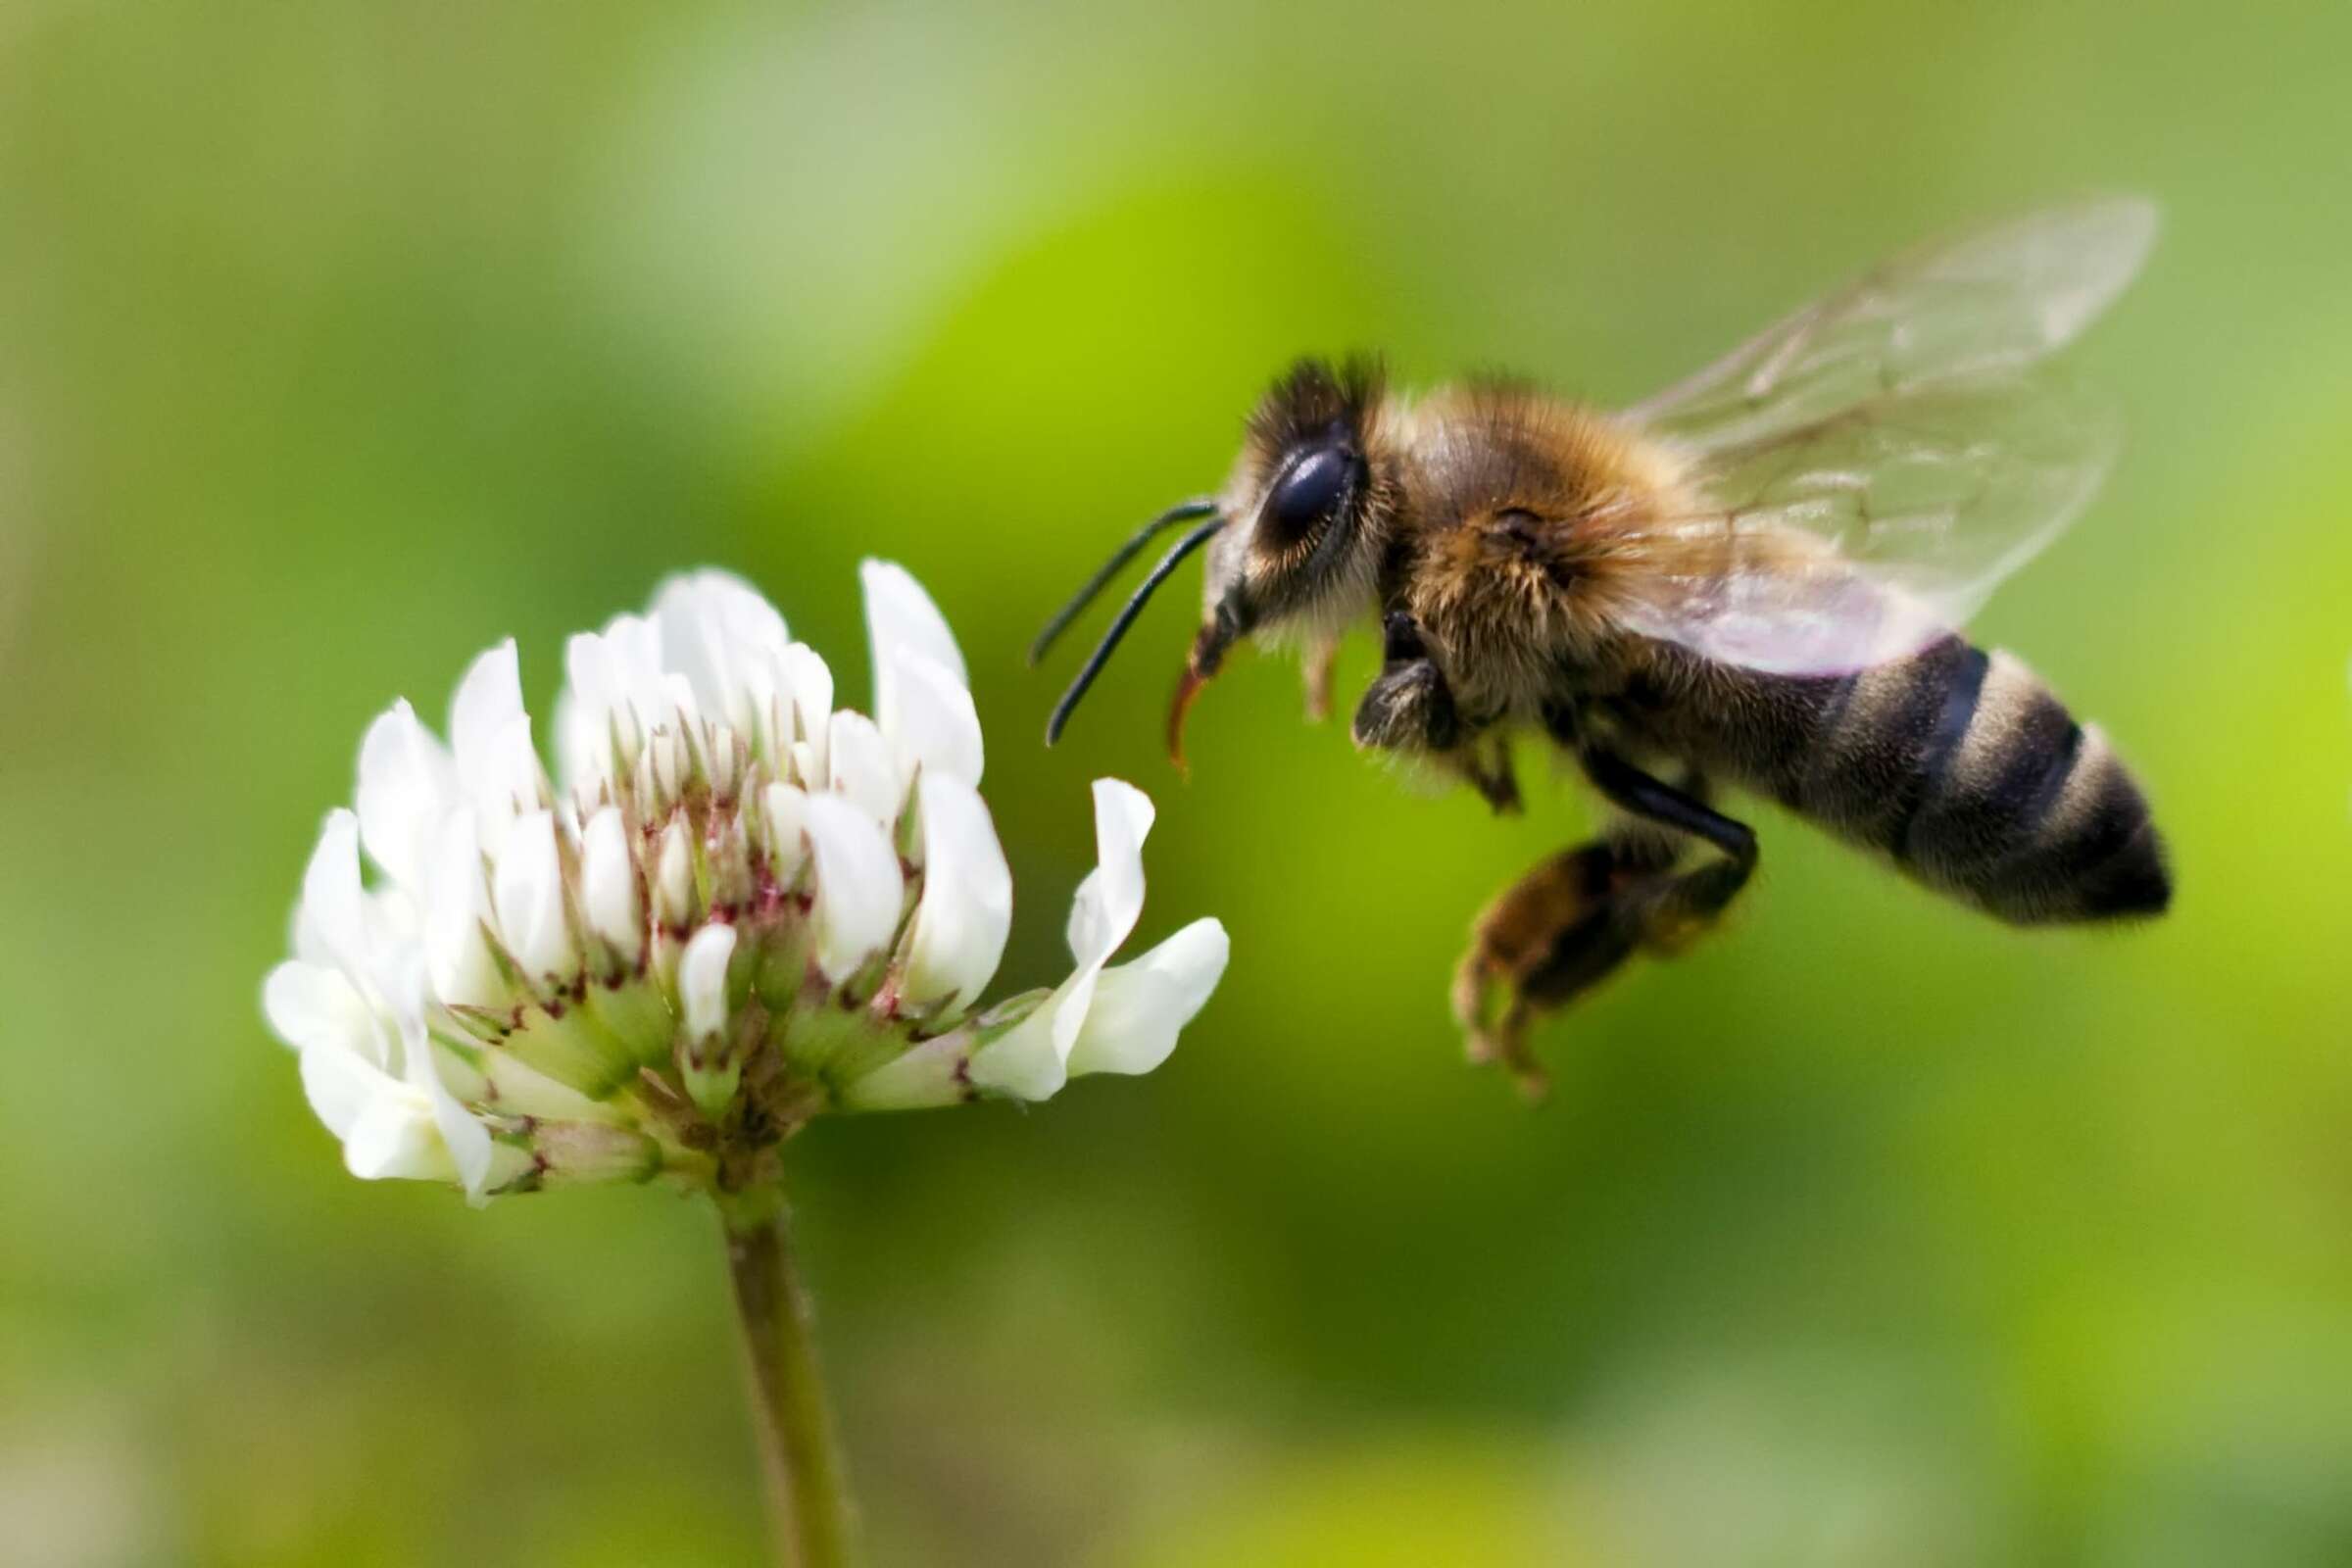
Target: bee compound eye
1308,489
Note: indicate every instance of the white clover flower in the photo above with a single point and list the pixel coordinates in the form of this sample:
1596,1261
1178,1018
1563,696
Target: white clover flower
741,909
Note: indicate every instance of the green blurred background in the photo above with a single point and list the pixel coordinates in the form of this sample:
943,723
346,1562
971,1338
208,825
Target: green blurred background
339,340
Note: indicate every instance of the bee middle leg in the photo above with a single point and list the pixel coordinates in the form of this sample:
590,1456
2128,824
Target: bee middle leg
1573,919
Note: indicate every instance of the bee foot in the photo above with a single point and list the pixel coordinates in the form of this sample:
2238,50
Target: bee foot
1532,1081
1483,978
1508,1051
1544,941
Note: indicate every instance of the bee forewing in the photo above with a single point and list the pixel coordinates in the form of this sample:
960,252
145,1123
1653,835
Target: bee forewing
1861,539
1992,299
1869,470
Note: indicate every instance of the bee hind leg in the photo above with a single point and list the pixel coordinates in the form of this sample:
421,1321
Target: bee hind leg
1671,909
1574,918
1546,939
1514,970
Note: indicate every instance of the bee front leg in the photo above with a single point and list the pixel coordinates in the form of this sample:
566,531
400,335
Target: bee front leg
1409,706
1489,771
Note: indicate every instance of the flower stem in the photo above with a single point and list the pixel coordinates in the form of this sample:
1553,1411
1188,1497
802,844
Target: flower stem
806,1491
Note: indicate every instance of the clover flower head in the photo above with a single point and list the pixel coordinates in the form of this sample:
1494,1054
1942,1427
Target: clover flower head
740,908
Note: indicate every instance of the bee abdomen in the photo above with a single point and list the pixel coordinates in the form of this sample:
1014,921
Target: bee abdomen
1964,767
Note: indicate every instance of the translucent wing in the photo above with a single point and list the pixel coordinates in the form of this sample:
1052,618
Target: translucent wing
1869,470
1990,300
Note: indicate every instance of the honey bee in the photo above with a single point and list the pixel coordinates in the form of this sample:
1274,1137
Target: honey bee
1753,579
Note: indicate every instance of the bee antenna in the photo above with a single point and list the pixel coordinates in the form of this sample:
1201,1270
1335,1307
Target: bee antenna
1181,512
1126,619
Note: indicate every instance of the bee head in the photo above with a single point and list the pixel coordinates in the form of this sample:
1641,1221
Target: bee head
1309,506
1294,539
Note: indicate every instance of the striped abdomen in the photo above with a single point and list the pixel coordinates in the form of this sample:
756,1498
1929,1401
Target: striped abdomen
1958,764
1964,768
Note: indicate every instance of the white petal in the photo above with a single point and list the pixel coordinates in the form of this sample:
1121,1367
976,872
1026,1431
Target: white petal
863,771
673,878
900,614
395,1136
488,700
613,679
769,684
407,786
921,696
589,675
931,723
634,645
1110,900
859,885
693,642
462,1134
340,1087
713,626
702,980
749,620
621,692
386,1127
316,1009
530,898
583,749
457,957
811,685
966,909
608,882
668,760
727,753
1031,1061
1023,1062
331,915
466,1141
1140,1007
503,779
784,809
